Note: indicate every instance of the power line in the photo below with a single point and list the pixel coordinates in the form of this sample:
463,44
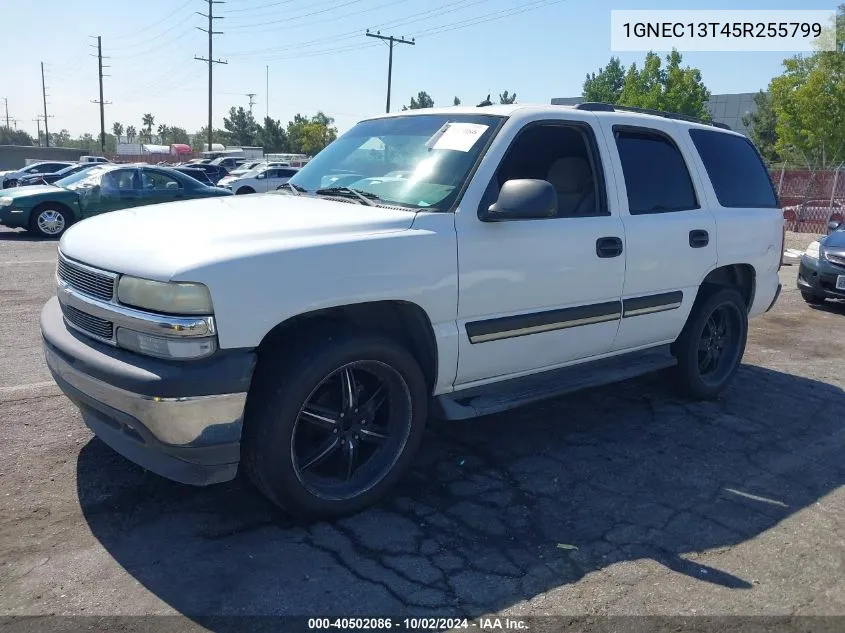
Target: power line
210,59
297,17
392,40
156,23
263,6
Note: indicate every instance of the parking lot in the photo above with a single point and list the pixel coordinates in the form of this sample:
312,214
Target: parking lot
619,500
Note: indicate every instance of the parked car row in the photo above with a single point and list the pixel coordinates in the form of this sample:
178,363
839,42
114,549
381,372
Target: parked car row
48,210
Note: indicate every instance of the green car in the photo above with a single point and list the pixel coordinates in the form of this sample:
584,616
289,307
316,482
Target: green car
49,210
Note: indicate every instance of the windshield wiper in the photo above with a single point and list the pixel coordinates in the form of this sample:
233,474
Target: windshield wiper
364,196
296,189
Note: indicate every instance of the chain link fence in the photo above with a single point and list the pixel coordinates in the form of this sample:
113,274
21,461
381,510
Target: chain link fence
810,198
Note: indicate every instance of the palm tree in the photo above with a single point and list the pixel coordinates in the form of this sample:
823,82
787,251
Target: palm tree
117,128
149,120
163,133
131,133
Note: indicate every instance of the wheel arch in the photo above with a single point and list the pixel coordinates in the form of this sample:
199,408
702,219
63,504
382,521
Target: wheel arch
742,277
404,321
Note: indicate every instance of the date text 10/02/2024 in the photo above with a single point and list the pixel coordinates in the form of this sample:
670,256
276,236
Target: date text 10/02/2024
417,624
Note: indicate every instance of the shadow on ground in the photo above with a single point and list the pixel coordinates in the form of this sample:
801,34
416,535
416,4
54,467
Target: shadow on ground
488,516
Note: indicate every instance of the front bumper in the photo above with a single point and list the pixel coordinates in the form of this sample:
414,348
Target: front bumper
14,217
818,278
181,420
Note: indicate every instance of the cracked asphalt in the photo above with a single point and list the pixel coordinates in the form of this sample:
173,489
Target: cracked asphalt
624,500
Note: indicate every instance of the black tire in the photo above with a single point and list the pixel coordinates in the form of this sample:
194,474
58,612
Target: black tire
812,299
707,361
244,191
49,215
279,438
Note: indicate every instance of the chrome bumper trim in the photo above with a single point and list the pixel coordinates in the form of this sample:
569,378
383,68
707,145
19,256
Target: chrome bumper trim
145,322
174,421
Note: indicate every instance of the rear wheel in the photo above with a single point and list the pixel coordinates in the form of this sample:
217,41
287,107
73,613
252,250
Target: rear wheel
244,190
711,344
812,299
333,423
50,221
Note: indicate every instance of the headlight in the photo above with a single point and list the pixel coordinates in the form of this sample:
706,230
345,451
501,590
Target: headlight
6,201
812,250
165,347
164,297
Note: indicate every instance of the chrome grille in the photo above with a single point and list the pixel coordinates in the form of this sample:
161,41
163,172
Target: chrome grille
835,258
99,285
89,324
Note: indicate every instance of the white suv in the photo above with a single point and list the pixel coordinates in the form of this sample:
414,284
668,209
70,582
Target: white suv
307,335
260,180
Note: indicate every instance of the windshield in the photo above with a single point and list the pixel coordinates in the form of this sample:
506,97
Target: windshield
418,161
81,179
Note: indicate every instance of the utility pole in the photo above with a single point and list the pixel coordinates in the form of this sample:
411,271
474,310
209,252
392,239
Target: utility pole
7,113
100,100
251,96
44,96
267,94
392,40
37,119
210,59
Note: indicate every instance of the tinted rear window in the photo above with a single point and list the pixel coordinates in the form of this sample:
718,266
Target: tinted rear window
739,177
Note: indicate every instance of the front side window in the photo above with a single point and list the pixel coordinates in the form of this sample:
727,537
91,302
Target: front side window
656,175
438,151
118,180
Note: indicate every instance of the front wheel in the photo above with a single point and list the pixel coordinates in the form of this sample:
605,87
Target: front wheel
333,423
50,221
244,190
711,344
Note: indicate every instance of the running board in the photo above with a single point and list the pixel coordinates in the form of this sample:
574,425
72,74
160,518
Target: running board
517,392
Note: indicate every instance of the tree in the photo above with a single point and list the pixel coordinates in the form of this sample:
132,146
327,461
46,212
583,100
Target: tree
163,132
201,138
117,128
272,136
669,89
808,103
148,120
456,101
310,136
507,99
9,136
60,139
179,135
421,101
762,126
606,86
131,133
240,126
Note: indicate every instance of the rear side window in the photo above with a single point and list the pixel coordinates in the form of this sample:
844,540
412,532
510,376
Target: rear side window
656,175
739,176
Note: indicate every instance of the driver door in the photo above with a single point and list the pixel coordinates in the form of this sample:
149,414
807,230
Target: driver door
118,190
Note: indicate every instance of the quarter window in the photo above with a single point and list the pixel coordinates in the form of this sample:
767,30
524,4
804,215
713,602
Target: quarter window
739,177
656,176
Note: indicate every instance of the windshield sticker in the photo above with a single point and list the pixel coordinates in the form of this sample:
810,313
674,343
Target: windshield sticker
456,136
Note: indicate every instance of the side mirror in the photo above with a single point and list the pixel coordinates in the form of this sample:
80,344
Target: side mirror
524,199
833,225
260,176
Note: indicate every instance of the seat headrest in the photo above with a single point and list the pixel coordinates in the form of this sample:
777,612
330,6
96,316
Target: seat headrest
570,175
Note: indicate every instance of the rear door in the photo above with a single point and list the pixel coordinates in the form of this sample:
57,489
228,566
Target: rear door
670,233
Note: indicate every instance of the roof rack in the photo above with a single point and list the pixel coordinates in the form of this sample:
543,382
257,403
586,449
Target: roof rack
595,106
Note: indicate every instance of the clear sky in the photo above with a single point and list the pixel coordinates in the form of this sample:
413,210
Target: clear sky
318,56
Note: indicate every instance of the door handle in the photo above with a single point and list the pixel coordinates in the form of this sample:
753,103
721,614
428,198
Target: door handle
699,238
608,247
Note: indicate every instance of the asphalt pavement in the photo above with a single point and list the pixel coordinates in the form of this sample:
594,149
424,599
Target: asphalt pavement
624,500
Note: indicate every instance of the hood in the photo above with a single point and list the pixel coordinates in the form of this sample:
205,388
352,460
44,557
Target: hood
835,240
166,240
18,193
